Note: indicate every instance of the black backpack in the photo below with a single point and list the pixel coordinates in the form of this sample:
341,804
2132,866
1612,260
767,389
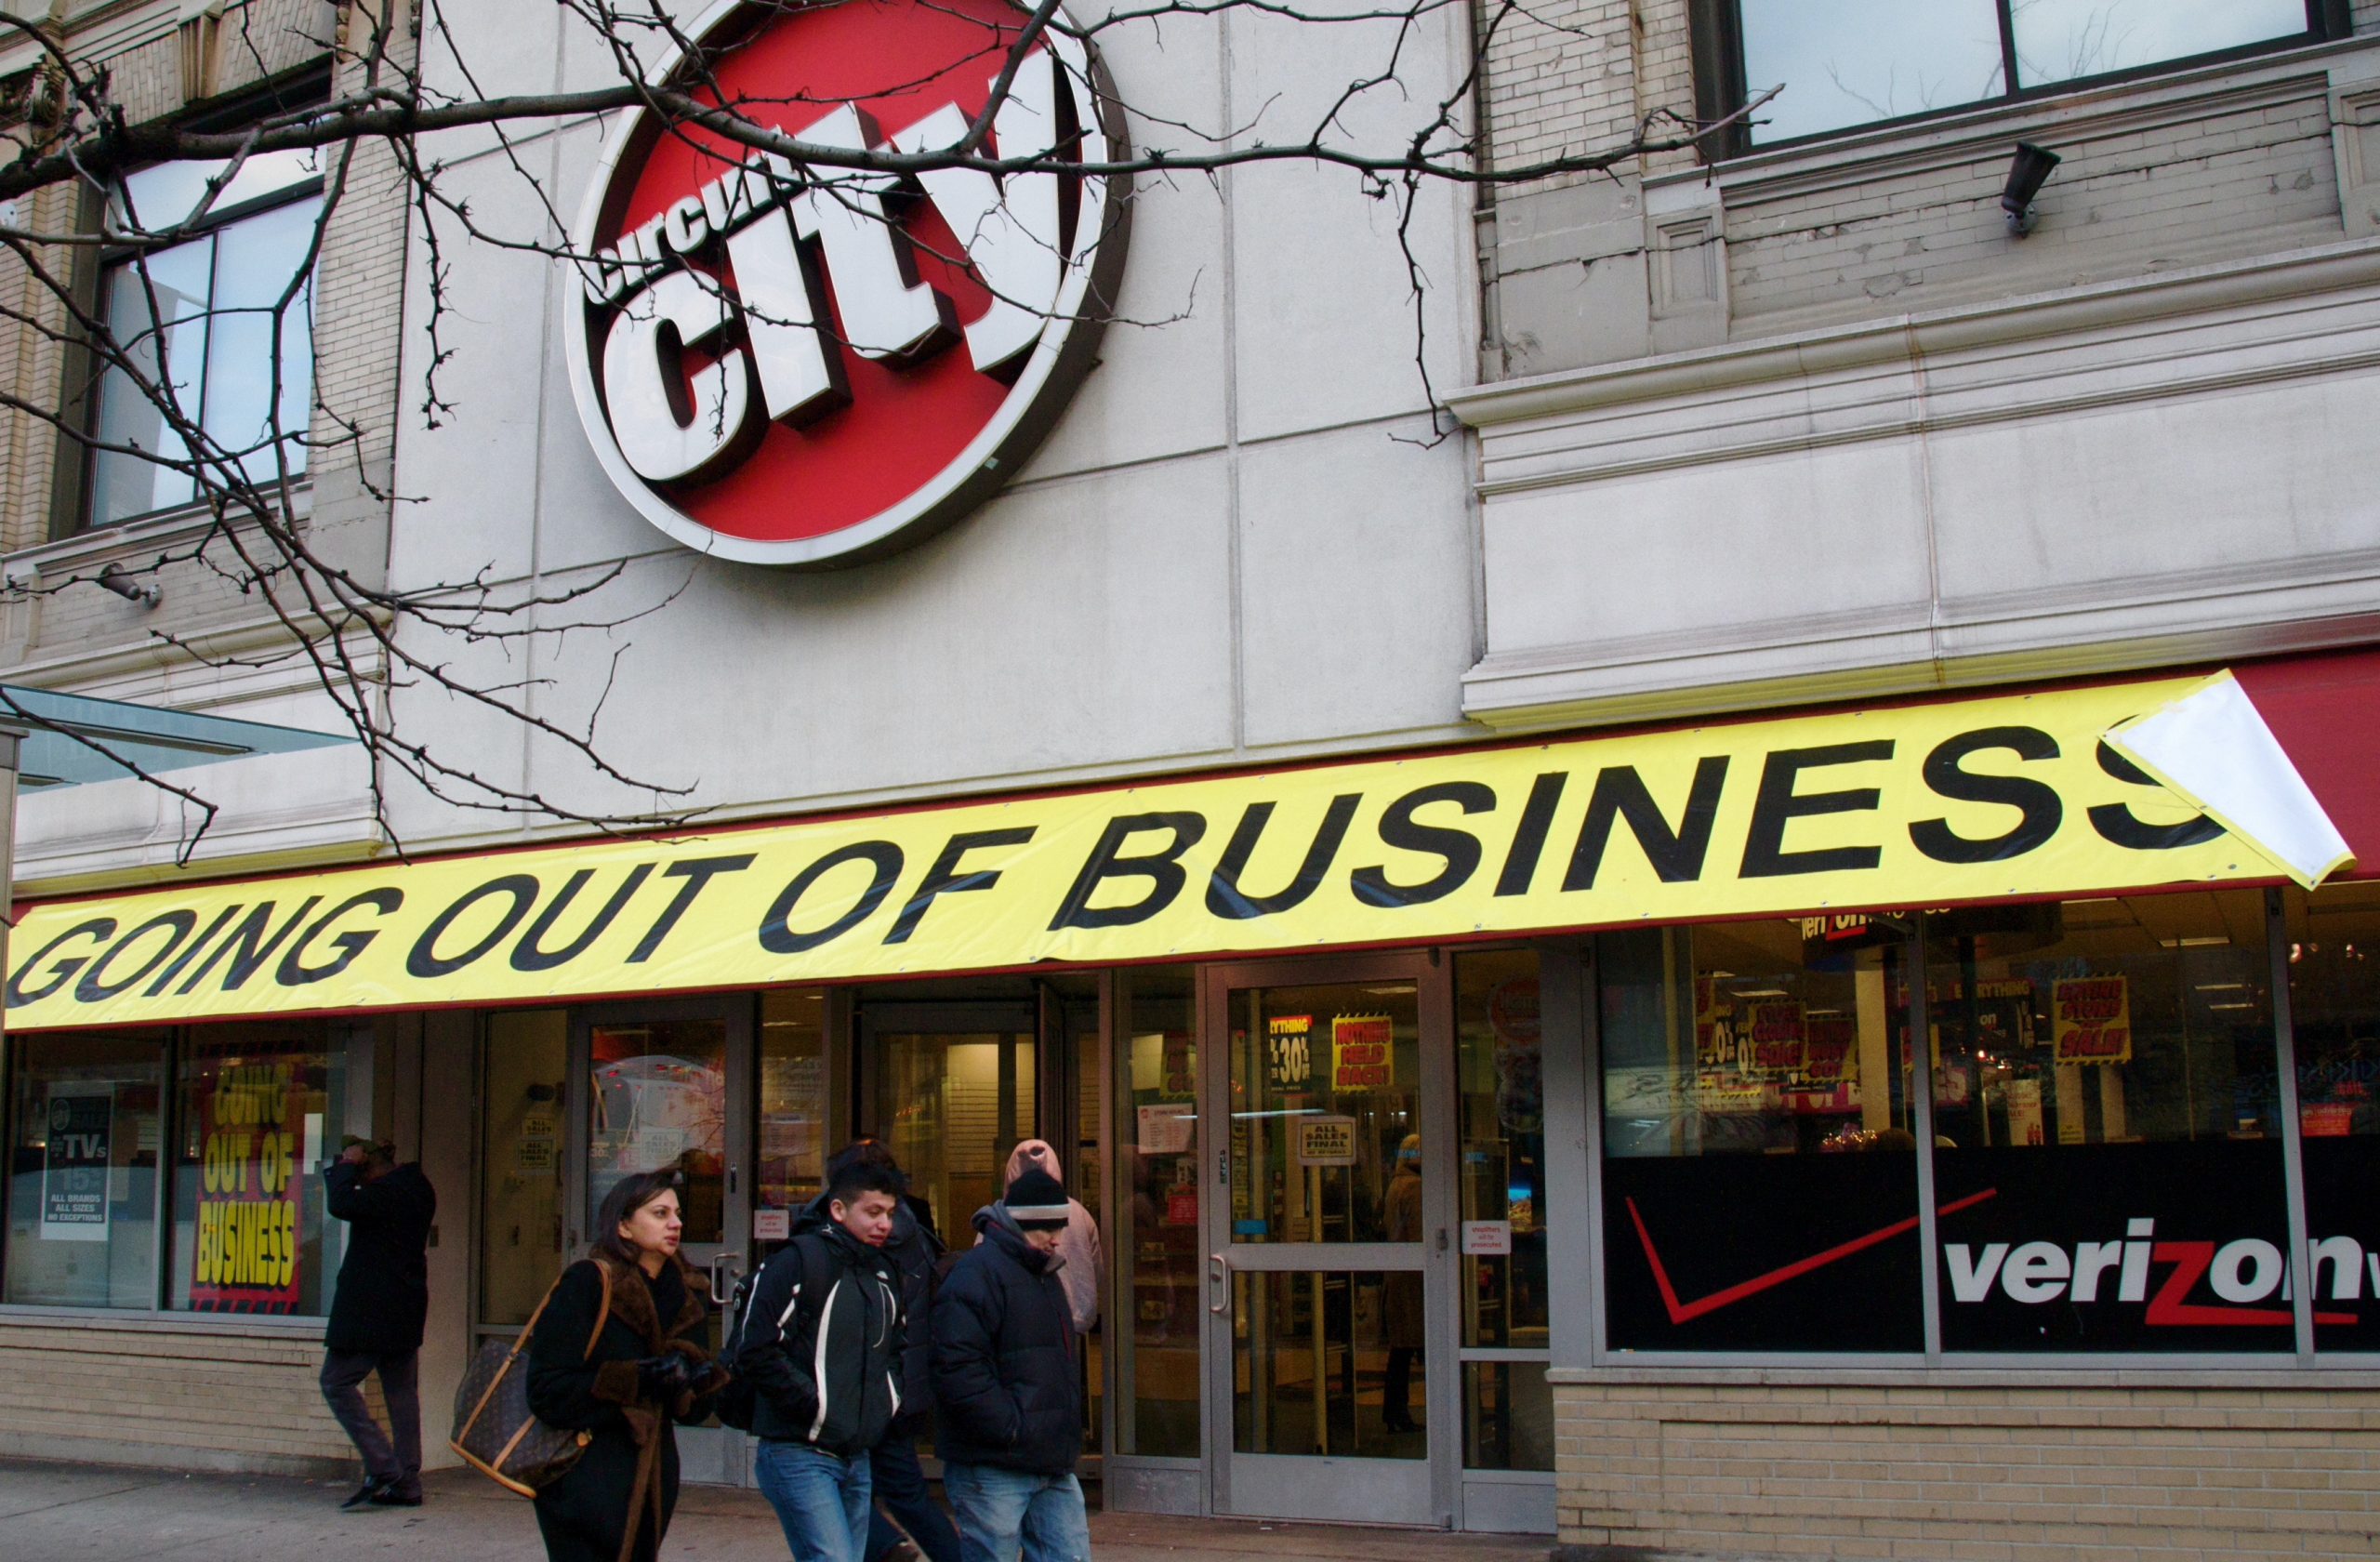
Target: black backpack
737,1401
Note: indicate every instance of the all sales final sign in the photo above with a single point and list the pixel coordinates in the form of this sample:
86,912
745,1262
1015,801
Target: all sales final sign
798,363
2061,792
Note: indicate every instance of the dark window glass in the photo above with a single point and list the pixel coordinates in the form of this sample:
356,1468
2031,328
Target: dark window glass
1160,1266
82,1142
1760,1181
2335,1010
2108,1150
1503,1290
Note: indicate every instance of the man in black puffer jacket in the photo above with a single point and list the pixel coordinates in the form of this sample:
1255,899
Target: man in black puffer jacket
1008,1395
820,1343
896,1482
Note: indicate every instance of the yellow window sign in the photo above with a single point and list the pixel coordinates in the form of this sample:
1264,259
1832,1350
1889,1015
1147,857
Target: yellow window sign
1923,805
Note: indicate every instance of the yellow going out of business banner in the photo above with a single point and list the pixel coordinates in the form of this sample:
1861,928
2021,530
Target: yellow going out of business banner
1923,805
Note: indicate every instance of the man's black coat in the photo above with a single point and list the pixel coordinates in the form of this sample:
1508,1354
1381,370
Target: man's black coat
384,1285
1006,1390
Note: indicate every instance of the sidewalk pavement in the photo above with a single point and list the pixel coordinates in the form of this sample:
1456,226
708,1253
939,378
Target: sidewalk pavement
83,1513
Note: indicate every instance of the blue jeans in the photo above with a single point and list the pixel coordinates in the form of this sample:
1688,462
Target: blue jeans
821,1499
900,1489
1005,1515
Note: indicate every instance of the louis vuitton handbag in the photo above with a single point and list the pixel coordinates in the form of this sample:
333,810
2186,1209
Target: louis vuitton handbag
495,1432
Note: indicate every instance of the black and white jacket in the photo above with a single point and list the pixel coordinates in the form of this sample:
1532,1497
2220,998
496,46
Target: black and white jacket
821,1343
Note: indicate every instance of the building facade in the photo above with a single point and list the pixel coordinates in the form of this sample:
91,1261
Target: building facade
1758,950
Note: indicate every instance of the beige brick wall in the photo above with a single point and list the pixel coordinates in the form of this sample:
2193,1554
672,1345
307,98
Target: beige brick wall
168,1397
2266,1467
2214,181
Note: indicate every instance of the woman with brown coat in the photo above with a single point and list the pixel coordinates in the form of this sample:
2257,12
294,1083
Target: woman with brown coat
647,1373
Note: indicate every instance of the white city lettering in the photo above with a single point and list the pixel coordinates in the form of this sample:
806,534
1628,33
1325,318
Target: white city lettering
788,234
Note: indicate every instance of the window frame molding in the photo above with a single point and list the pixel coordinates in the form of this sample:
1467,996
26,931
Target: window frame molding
1715,34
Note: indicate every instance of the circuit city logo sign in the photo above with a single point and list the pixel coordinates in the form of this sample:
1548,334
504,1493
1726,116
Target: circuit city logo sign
2180,1283
809,365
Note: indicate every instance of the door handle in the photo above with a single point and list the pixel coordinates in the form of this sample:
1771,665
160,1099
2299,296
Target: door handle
1218,1273
723,1270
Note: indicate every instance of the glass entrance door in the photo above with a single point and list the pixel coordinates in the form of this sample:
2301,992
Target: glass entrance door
1326,1283
667,1086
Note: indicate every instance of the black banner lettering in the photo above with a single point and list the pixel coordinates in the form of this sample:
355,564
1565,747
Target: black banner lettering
2036,803
1224,896
779,938
1776,805
1162,869
1676,854
1460,849
943,877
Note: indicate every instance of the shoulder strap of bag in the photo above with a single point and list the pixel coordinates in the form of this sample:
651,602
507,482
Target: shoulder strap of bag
602,1313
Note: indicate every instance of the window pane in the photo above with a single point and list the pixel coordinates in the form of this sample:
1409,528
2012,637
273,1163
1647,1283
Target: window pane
793,1106
2059,40
2334,1009
254,263
165,194
1503,1103
1156,1373
2108,1153
255,1107
1756,1119
1317,1368
1851,61
952,1107
520,1198
658,1100
128,484
1507,1416
83,1142
1326,1143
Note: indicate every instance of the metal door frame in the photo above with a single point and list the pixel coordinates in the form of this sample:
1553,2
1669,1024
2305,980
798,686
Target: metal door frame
1281,1486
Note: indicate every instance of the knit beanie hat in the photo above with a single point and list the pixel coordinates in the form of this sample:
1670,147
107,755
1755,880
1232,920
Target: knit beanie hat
1035,1200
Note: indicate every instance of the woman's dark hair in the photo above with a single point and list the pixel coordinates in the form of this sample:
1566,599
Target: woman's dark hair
628,1195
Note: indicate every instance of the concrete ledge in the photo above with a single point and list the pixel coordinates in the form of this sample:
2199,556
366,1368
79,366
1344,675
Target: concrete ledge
53,1447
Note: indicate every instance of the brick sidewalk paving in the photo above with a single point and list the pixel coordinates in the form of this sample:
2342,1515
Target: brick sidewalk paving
81,1513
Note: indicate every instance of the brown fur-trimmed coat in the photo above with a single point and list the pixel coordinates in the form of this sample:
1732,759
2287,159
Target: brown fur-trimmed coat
613,1506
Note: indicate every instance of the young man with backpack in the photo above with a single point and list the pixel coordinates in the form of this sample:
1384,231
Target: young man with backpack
818,1343
1006,1390
896,1481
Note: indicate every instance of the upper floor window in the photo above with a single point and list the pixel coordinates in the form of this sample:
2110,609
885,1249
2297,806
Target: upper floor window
1851,62
212,331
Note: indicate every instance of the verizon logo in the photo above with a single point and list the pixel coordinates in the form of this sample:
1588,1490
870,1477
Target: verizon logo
2185,1283
2167,1275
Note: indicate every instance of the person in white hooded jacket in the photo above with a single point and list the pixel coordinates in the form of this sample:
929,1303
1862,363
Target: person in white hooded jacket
1078,1245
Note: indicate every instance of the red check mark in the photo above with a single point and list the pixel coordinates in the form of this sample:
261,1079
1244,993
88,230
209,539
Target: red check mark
1683,1312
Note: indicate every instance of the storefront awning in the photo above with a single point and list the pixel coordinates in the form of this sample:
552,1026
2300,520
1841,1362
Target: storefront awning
2065,791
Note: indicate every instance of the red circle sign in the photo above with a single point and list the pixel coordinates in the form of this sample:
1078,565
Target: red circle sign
809,365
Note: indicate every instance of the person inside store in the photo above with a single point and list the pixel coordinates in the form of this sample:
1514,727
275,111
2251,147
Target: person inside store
905,1519
619,1354
1077,1245
1401,1292
378,1312
1008,1390
820,1342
